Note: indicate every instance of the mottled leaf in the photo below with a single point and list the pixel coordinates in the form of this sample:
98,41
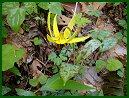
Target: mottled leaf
22,92
108,43
68,71
5,90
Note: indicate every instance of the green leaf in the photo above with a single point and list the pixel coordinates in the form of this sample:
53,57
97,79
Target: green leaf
5,90
10,55
15,71
88,49
22,92
30,7
6,6
63,58
113,64
33,82
56,83
52,56
100,34
57,61
43,79
55,8
119,35
108,43
15,18
93,12
120,72
81,20
68,71
122,23
44,5
37,41
103,34
125,40
4,32
100,64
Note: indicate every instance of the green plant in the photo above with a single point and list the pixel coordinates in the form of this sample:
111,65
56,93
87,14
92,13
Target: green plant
37,41
88,49
56,83
10,55
81,20
53,7
93,12
42,80
108,42
111,64
5,90
22,92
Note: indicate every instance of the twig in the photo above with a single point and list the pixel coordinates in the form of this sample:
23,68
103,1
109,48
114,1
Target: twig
75,8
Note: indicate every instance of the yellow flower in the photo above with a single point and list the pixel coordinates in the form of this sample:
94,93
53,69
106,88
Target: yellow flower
63,37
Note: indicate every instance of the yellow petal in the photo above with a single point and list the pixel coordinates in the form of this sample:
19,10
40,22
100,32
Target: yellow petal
50,38
62,39
72,37
70,25
55,27
48,24
78,39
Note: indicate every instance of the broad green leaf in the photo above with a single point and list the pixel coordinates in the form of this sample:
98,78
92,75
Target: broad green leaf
55,8
88,49
100,64
33,82
5,90
56,83
81,20
44,5
108,43
4,32
15,18
22,92
113,64
15,71
43,79
30,7
6,6
10,55
37,41
68,71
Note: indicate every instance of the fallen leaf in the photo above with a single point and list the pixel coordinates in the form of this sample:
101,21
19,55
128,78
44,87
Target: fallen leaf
97,5
104,25
34,70
63,20
69,6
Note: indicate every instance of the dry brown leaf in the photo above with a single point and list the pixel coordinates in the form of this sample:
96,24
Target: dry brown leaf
63,20
97,5
34,70
102,24
71,7
84,7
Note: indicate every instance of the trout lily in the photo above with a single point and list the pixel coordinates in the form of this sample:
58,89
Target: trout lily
63,37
